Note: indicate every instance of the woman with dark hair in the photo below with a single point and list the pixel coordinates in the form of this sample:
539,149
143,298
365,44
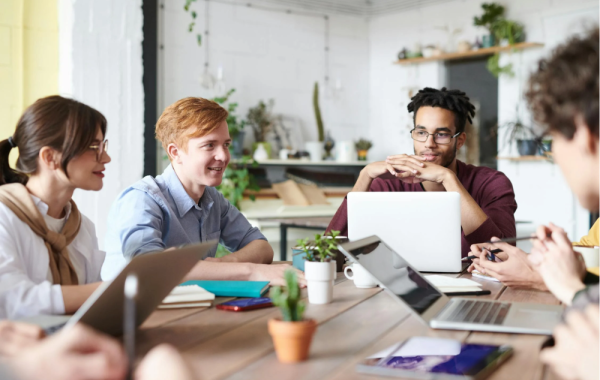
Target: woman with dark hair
49,257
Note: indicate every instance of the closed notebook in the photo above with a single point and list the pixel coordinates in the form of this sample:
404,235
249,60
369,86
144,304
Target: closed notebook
233,288
187,296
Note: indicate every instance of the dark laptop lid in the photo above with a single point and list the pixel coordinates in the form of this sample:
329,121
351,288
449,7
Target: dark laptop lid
395,274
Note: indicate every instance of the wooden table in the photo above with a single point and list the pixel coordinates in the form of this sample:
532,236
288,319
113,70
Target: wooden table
358,323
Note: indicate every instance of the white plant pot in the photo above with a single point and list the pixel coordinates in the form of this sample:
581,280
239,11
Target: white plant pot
320,278
315,150
345,151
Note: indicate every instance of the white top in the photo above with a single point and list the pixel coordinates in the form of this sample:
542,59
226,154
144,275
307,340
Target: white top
26,287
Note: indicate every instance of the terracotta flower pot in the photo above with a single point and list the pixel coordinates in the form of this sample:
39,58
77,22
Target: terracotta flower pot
292,339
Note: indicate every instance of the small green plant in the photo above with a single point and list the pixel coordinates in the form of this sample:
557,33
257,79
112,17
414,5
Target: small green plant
363,144
320,128
186,7
493,66
323,249
261,120
237,179
235,126
509,30
492,13
288,299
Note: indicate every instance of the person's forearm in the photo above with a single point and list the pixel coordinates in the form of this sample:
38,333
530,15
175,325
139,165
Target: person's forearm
363,183
471,215
257,251
210,270
75,295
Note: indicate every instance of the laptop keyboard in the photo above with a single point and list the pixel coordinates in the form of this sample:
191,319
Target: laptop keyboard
52,329
483,312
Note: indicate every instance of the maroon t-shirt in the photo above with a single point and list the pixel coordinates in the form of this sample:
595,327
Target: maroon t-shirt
491,189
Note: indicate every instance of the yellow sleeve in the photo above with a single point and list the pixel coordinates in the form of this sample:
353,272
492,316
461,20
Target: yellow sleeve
593,237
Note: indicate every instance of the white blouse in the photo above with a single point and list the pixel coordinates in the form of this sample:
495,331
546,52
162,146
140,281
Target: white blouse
26,287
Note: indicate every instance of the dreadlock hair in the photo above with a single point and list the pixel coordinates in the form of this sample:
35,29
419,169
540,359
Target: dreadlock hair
451,100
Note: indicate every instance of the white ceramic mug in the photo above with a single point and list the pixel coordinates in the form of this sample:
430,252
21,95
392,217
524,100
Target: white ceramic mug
590,255
358,274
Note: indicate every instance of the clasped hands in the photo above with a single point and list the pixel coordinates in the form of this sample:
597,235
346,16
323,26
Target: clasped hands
552,265
408,168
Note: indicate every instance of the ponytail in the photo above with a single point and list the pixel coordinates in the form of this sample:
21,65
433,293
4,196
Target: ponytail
8,174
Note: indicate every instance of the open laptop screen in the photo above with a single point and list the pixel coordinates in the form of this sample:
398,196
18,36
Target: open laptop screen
397,275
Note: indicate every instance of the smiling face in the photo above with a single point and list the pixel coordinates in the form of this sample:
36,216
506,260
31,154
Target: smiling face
86,171
206,159
437,120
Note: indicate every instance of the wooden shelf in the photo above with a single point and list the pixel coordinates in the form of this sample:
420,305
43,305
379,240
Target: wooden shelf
471,53
527,158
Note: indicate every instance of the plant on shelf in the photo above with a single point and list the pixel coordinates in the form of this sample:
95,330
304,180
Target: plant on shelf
500,29
320,128
291,334
315,148
261,121
492,12
235,125
320,266
362,147
518,132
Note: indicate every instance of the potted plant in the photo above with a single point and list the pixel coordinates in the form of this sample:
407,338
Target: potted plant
315,148
362,147
291,334
517,132
320,266
261,121
492,12
236,127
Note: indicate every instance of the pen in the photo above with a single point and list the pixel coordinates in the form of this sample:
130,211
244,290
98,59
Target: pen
514,239
131,291
494,251
476,293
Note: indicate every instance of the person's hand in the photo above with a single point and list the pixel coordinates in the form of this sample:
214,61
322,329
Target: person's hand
274,274
427,172
555,260
575,352
403,166
16,336
514,270
76,353
163,362
479,251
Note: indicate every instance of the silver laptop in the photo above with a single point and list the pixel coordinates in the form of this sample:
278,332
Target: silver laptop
424,226
158,273
410,288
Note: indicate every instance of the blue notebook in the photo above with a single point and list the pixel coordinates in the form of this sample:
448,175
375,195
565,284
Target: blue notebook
233,288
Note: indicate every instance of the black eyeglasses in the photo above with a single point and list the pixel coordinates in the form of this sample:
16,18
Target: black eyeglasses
100,149
439,137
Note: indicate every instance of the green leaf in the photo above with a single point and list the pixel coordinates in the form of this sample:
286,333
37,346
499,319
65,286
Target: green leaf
191,27
199,39
194,14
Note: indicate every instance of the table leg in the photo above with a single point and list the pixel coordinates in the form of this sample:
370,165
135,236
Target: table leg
283,242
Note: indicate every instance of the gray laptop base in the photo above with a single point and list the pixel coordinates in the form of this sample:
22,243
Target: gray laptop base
157,272
431,305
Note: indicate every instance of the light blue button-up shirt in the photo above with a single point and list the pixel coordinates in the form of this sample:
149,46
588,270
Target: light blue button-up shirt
157,213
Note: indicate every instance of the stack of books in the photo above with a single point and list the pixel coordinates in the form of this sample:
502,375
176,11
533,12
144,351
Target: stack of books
187,296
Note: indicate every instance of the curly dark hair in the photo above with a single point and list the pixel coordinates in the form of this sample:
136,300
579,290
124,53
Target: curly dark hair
566,85
452,100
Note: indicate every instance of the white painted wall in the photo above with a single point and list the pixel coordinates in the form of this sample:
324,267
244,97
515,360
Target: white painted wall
270,55
101,65
541,191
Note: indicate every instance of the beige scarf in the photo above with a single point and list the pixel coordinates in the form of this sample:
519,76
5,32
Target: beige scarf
16,197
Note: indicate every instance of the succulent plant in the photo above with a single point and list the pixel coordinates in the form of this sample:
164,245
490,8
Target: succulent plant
287,298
